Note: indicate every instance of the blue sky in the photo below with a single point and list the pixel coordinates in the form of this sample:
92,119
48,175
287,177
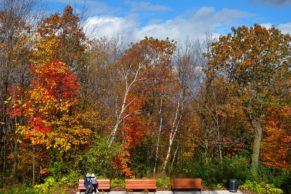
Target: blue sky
176,19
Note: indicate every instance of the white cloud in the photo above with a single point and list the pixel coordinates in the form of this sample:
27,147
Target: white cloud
111,27
285,28
267,25
205,20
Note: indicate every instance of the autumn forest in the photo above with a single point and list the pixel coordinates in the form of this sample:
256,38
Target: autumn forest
215,108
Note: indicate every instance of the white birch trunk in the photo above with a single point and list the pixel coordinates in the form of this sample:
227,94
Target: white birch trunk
120,116
174,157
159,135
173,132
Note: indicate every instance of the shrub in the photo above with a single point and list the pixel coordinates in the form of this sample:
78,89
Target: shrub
260,188
20,189
117,183
141,159
70,179
99,158
238,168
57,169
210,173
47,186
219,186
164,183
285,184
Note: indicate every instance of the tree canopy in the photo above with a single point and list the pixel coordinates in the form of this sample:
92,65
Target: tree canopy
214,109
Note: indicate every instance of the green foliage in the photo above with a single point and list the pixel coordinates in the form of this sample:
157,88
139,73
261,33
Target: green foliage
57,169
209,172
260,188
20,189
280,178
164,183
219,186
285,184
213,173
71,179
236,167
141,160
212,186
117,183
47,187
99,158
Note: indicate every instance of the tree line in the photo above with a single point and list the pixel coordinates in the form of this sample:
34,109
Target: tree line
212,108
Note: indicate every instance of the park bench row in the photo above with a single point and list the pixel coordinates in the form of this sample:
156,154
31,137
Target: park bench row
148,184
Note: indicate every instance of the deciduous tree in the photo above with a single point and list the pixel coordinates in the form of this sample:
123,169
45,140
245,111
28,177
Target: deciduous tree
135,69
250,58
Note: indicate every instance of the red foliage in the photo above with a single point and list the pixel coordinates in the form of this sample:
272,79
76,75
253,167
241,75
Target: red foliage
53,86
233,149
38,125
57,79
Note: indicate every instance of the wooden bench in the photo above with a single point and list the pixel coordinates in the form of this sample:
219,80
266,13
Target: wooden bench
140,184
103,185
186,184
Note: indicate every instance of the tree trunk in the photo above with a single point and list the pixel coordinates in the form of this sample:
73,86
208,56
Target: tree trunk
219,143
15,160
5,140
173,132
16,151
256,145
174,157
168,155
4,159
33,165
159,135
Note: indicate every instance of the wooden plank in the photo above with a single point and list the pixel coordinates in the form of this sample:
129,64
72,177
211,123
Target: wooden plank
140,184
187,183
103,184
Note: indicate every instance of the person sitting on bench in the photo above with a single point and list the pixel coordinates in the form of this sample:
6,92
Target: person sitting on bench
94,183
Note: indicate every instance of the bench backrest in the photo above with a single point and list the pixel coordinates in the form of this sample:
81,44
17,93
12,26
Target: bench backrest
103,184
140,184
187,183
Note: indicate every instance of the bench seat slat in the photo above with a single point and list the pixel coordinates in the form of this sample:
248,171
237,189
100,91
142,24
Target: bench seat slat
103,184
140,184
186,183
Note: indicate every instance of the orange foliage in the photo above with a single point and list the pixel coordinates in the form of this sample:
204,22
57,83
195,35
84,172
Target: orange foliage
277,140
134,127
57,79
53,90
133,131
60,37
